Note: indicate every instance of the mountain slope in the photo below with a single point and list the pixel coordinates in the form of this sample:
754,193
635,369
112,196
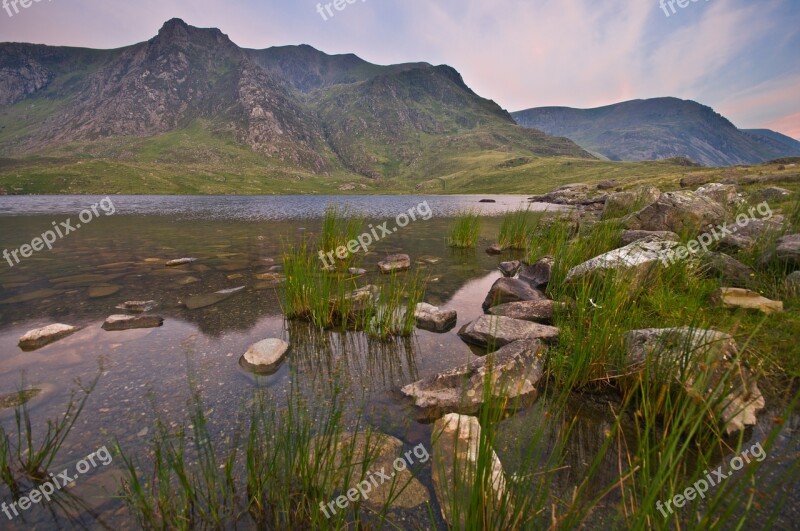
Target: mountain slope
656,129
299,111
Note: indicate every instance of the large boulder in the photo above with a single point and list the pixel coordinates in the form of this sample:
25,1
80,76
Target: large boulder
457,451
633,262
493,332
39,337
394,263
513,372
350,462
623,203
511,290
744,298
538,274
724,194
727,269
431,318
679,212
630,236
265,357
701,363
536,311
745,236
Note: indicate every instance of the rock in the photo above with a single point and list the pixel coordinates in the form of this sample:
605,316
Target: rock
357,271
770,194
745,236
743,298
607,185
630,236
32,296
428,259
39,337
570,194
793,281
348,460
487,201
207,299
128,322
457,448
623,203
180,262
432,318
394,263
515,371
535,311
509,269
137,306
788,250
265,357
493,332
690,181
494,249
82,281
268,276
711,355
511,290
185,281
98,292
633,262
724,194
727,269
17,399
679,212
538,275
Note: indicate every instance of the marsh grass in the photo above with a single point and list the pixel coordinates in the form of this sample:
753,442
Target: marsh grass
516,229
465,230
339,228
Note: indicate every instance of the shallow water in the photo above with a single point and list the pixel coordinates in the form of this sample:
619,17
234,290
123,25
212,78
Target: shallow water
234,239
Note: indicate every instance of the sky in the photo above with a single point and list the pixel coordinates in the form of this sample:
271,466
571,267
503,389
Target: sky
741,57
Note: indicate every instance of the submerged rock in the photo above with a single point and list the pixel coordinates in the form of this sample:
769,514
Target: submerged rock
715,373
635,260
457,448
137,306
514,371
265,357
494,249
679,212
32,296
17,399
495,331
201,301
432,318
98,292
511,290
538,274
357,271
394,263
119,322
180,262
536,311
744,298
39,337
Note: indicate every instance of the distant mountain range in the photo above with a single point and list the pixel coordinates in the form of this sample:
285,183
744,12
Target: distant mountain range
660,128
191,96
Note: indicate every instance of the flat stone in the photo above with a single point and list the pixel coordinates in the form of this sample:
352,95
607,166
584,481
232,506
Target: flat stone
265,357
394,263
630,236
538,274
710,355
39,337
635,260
536,311
509,269
514,371
98,292
496,331
506,290
428,259
119,322
201,301
433,319
137,306
744,298
457,448
180,262
357,271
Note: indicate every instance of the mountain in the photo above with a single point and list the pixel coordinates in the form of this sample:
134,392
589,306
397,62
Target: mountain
192,98
659,128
